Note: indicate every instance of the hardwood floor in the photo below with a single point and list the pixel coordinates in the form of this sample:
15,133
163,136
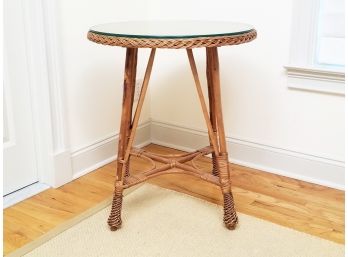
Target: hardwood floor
306,207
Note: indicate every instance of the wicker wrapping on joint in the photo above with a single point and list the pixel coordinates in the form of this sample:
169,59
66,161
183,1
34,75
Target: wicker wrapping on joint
224,175
230,215
215,170
126,171
174,43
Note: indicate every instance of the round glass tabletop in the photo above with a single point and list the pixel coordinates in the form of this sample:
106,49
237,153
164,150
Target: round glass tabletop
171,29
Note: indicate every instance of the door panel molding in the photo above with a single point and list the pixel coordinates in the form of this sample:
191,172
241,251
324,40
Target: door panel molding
8,123
52,146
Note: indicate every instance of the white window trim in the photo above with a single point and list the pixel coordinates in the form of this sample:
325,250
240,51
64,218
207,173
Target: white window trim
302,74
316,80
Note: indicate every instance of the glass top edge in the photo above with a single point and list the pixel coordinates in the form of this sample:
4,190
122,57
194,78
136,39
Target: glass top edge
171,37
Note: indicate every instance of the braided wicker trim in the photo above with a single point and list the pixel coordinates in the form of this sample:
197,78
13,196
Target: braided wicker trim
174,43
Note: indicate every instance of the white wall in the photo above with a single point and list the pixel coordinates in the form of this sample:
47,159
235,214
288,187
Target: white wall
257,104
93,74
268,126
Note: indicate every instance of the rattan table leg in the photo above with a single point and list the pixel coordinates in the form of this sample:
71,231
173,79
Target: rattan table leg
114,220
130,78
230,216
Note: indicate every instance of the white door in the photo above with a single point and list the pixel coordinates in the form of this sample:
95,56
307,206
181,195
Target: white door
20,168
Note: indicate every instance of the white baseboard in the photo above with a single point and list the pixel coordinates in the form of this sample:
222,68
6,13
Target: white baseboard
104,151
62,169
314,169
296,165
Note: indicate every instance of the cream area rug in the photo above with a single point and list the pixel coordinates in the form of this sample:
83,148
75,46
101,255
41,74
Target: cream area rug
160,222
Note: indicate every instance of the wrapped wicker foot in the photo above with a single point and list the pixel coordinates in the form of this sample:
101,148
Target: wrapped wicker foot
114,220
230,215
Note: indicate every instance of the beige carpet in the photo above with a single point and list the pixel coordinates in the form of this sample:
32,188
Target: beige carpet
159,222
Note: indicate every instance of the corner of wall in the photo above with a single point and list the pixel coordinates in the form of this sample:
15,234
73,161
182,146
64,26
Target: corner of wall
104,151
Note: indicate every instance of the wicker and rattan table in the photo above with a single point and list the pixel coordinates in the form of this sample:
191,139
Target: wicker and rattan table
173,35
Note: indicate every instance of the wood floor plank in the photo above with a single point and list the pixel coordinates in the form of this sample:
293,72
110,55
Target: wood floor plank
303,206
